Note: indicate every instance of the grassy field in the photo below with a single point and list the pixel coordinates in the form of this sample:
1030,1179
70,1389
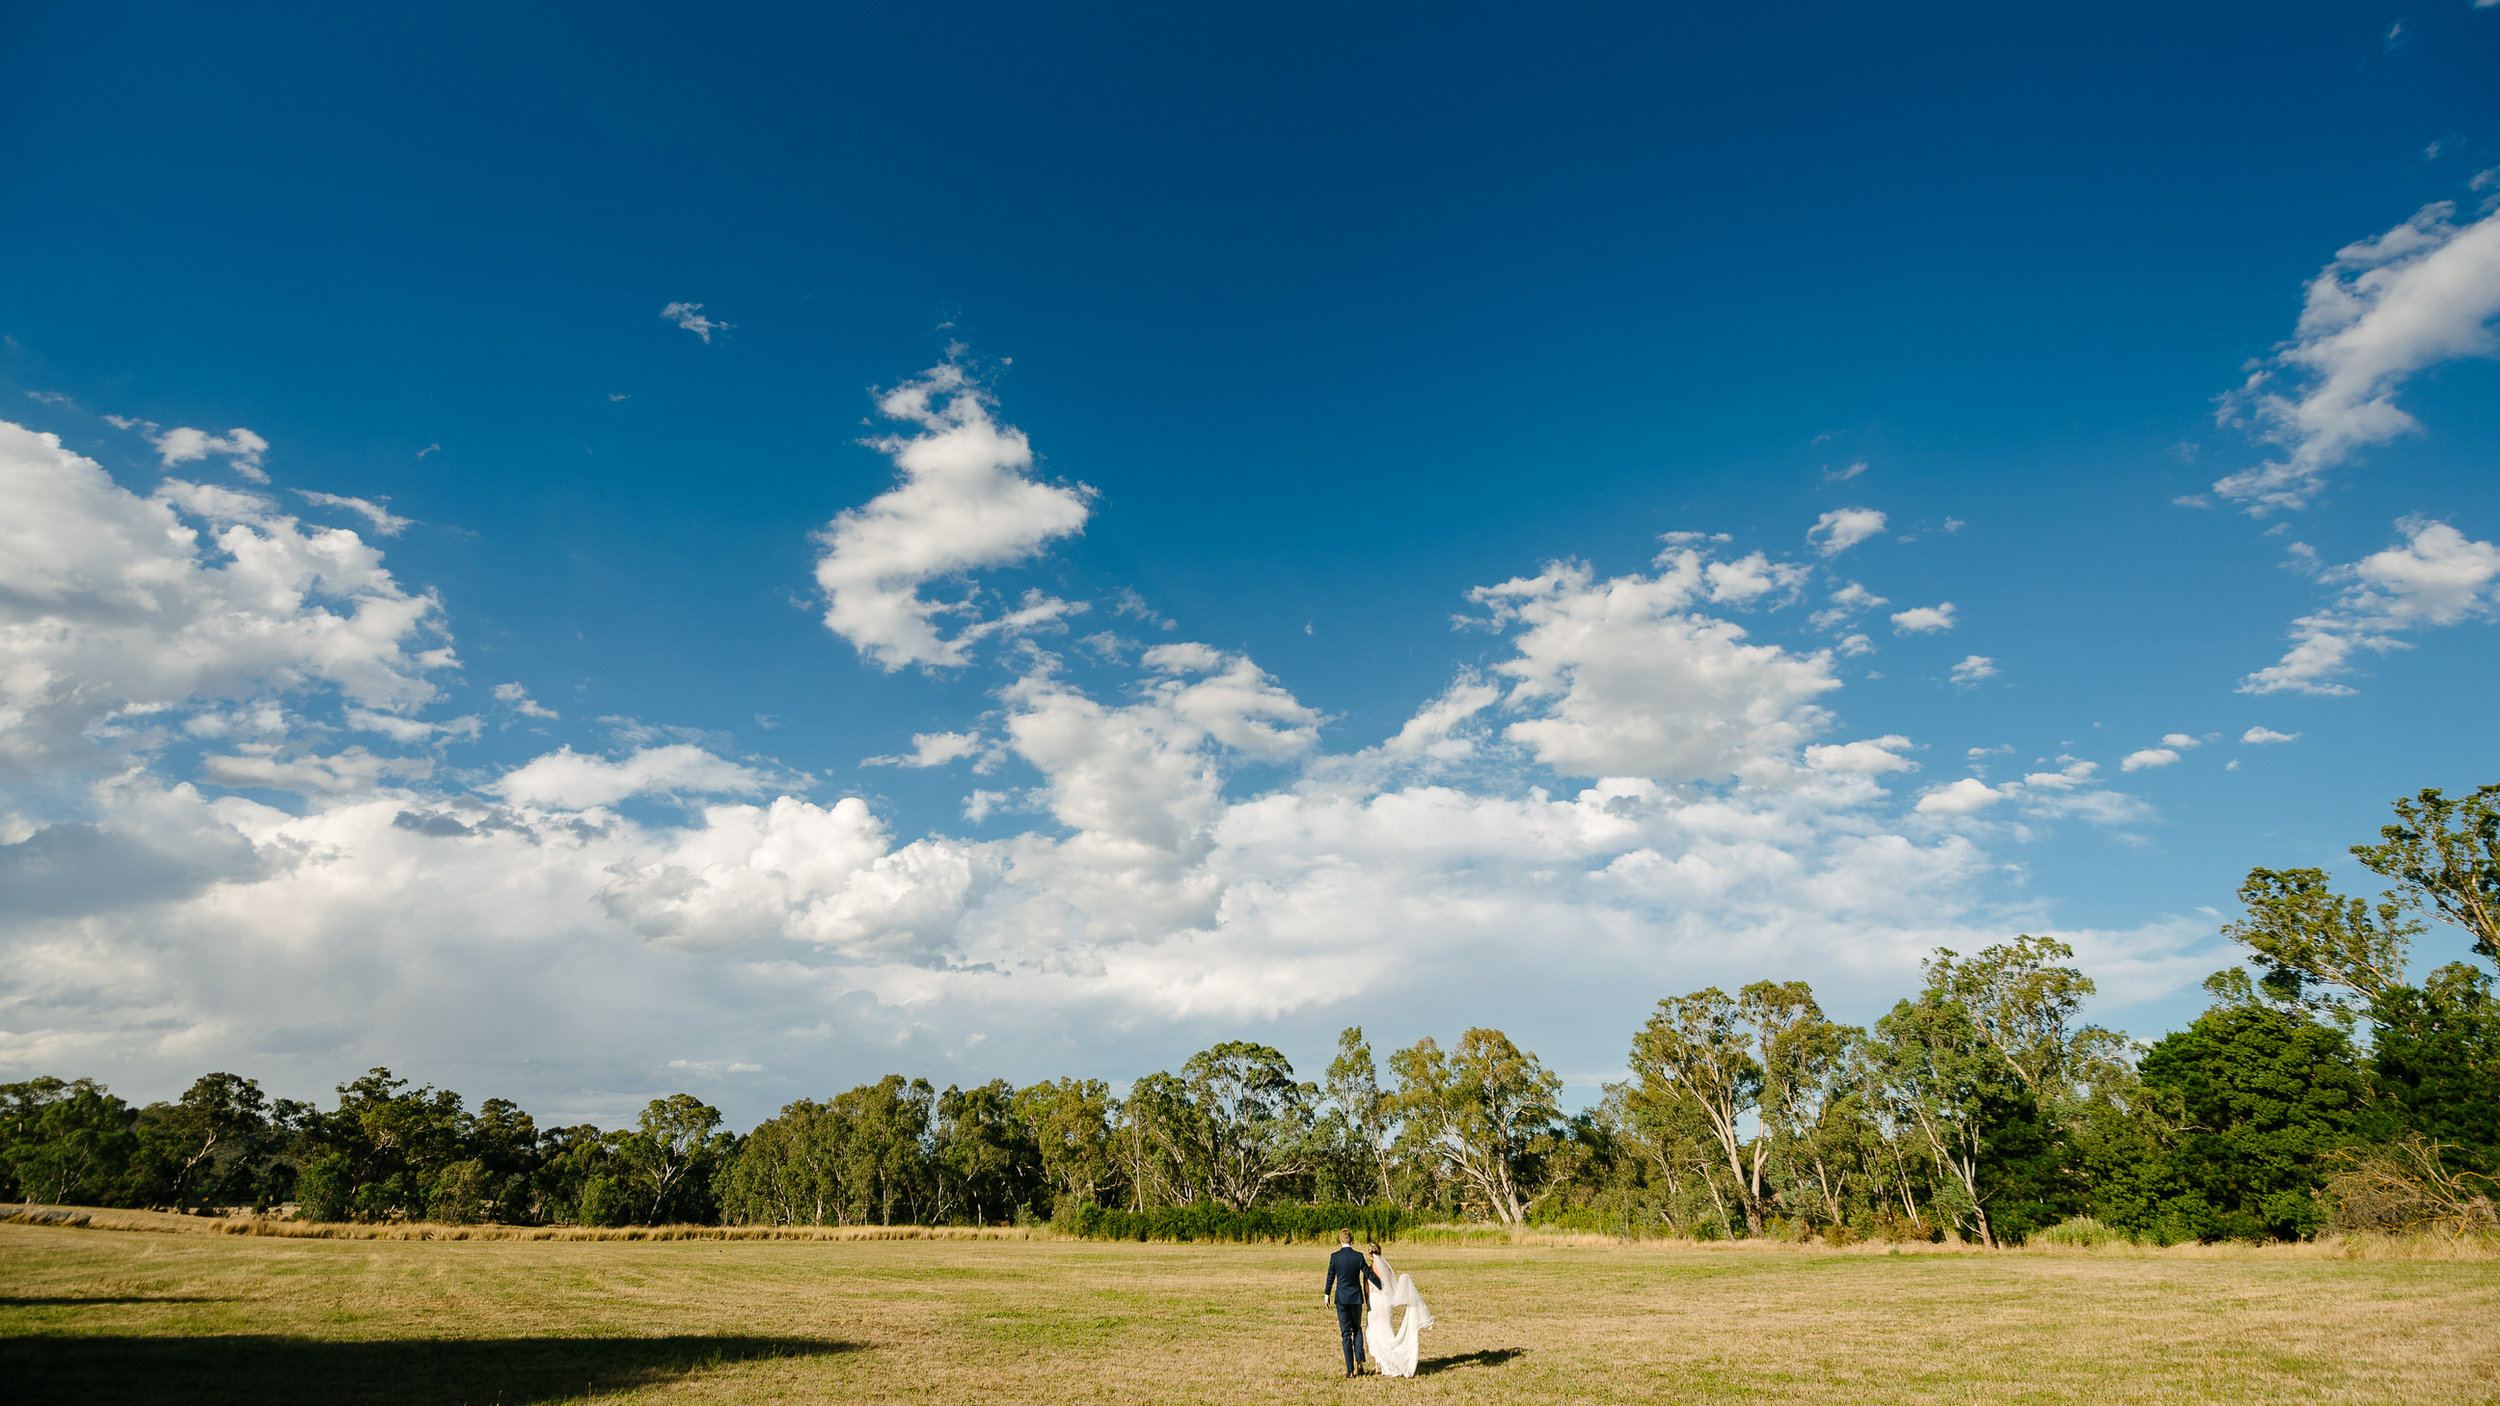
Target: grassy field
95,1315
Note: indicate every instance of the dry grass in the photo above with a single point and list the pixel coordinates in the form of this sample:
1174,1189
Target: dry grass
91,1218
169,1316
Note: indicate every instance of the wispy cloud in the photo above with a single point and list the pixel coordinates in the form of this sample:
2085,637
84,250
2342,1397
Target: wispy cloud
575,780
2437,576
690,316
2422,293
1973,668
518,699
933,749
385,522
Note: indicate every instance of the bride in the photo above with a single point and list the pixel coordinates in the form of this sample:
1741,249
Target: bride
1395,1349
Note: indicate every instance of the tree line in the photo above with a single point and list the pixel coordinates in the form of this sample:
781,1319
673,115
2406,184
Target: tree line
2323,1085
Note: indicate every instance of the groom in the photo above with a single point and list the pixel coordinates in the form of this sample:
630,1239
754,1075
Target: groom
1344,1287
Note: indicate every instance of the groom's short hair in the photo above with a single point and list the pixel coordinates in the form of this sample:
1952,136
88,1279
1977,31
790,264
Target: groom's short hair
1345,1237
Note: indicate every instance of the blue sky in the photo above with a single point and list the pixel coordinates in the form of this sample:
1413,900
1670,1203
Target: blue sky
1277,340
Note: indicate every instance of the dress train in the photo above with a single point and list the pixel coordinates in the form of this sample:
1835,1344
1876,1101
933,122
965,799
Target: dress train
1397,1349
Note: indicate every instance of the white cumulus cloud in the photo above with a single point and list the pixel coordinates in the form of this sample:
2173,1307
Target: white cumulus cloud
241,449
116,609
1625,679
1175,856
1974,668
1842,528
1872,757
2148,757
1963,797
1850,600
965,502
1923,619
2266,736
572,780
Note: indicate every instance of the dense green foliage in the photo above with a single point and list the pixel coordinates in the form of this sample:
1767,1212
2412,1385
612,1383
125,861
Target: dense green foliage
1979,1105
1208,1221
2266,1096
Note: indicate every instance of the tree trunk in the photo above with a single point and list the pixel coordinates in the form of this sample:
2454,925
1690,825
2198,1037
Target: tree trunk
1725,1228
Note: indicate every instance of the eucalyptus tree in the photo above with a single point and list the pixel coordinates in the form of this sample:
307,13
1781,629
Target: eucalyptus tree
2445,858
1696,1050
2433,1046
67,1141
776,1179
1739,1062
1815,1113
2022,998
1253,1120
884,1166
1677,1149
1069,1124
1160,1143
220,1119
985,1165
2316,949
1370,1114
1485,1112
1978,1057
674,1140
1951,1084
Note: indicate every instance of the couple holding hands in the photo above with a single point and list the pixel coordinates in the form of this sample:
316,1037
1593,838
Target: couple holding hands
1364,1316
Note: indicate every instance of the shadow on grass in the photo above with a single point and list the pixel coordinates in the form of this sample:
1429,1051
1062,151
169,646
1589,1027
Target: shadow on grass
1489,1357
427,1371
74,1301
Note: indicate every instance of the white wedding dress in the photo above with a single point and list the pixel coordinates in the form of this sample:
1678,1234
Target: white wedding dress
1395,1349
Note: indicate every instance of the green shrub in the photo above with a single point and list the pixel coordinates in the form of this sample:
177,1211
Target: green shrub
605,1201
2082,1231
327,1189
459,1194
1208,1221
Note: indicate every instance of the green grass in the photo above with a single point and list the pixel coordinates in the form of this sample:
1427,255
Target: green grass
93,1315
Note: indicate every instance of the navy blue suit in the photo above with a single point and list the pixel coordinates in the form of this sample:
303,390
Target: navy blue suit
1347,1274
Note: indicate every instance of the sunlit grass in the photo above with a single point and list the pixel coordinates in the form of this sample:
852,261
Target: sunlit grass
92,1315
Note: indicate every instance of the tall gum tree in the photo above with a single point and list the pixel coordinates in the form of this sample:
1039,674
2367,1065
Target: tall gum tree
1485,1111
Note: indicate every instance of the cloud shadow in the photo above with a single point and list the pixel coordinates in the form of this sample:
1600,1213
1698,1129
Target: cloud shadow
78,1301
428,1372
